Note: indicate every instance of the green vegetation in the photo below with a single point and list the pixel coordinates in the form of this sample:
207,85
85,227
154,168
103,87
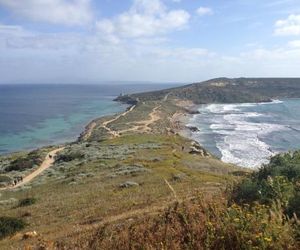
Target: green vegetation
26,162
260,212
200,224
277,181
132,182
26,202
226,90
82,191
70,156
10,225
5,178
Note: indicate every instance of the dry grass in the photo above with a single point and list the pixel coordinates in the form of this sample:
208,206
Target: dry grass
195,224
74,195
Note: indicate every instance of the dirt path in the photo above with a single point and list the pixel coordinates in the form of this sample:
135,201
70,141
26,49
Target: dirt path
166,97
49,160
112,132
144,126
89,130
149,210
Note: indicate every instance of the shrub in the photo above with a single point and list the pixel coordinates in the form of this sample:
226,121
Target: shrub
294,205
287,165
250,227
198,224
26,202
246,191
23,163
276,181
70,156
5,179
9,226
277,188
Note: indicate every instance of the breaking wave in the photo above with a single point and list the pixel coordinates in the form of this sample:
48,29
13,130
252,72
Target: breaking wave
241,132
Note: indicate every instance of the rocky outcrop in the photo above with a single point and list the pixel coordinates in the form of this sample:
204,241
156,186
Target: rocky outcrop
196,149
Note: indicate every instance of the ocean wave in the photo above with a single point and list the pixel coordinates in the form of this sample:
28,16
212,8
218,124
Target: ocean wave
248,134
275,101
250,152
225,108
241,130
241,144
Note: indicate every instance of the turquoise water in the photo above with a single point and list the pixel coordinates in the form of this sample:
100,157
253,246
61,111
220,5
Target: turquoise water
32,116
249,134
58,129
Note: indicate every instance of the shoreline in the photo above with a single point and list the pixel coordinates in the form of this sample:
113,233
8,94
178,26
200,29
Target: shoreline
259,130
179,120
86,127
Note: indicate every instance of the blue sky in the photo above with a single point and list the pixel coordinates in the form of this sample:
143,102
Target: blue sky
90,41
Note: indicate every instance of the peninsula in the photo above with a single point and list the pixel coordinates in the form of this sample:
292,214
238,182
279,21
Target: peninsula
129,174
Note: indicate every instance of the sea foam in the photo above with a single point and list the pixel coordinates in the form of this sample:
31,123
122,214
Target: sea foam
239,131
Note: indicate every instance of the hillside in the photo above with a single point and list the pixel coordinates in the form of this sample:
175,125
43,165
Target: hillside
226,90
132,180
122,167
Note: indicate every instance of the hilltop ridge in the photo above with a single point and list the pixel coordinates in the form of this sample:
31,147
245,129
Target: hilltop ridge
225,90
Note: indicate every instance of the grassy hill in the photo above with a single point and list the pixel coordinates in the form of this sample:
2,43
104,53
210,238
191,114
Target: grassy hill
131,181
122,167
226,90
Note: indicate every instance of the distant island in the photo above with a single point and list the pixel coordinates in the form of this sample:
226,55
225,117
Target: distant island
135,180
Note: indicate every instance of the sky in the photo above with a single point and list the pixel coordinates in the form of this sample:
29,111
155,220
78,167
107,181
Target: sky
91,41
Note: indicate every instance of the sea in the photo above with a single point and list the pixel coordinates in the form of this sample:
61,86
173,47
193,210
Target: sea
248,134
36,115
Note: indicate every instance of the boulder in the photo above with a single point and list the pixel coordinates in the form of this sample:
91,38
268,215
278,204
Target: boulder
198,150
128,184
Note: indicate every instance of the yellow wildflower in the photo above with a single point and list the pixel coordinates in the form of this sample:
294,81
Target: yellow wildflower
267,239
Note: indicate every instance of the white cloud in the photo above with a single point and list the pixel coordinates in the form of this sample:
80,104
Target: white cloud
132,46
202,11
145,18
294,44
289,26
67,12
6,30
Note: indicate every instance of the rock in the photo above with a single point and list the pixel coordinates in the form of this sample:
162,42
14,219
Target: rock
128,184
29,235
193,129
156,160
193,112
198,150
178,177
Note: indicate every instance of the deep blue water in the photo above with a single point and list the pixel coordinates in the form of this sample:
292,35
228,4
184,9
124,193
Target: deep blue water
249,134
32,116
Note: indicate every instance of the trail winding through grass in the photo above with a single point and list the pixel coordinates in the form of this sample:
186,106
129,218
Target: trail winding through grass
49,160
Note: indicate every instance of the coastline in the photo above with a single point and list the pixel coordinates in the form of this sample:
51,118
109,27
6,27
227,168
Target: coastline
121,168
85,127
186,109
248,134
